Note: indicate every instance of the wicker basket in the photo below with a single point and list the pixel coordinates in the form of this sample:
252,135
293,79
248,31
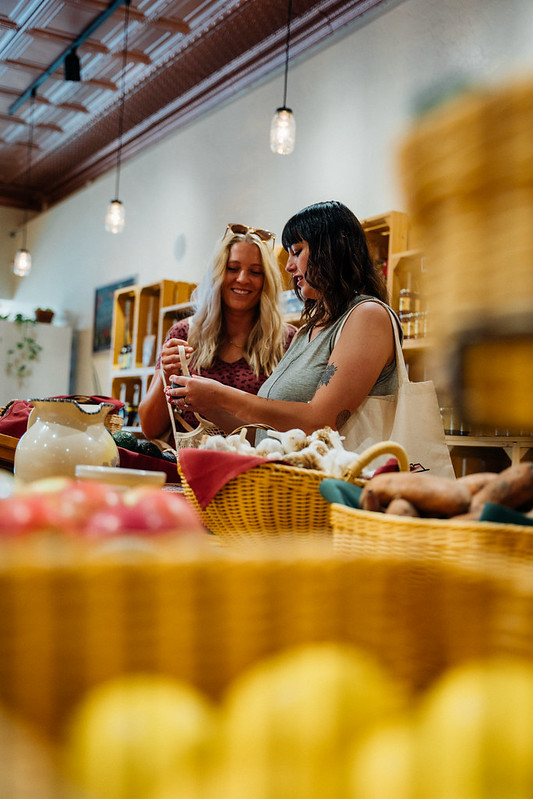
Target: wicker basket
204,618
468,175
278,500
361,532
266,501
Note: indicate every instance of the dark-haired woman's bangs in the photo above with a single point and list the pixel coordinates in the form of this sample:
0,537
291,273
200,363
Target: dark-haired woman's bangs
291,234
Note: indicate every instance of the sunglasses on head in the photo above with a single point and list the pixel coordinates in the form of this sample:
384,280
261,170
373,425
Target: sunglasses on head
264,235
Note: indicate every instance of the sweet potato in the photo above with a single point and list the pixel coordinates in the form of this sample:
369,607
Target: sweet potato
369,501
512,488
477,480
469,516
402,507
431,495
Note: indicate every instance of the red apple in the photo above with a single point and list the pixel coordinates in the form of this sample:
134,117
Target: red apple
20,515
104,523
152,510
66,503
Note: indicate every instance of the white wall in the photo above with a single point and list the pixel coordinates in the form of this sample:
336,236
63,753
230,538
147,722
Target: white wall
352,101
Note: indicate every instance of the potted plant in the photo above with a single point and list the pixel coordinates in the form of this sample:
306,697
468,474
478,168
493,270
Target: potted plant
44,315
25,350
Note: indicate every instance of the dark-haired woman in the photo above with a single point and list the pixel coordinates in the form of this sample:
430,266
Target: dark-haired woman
345,350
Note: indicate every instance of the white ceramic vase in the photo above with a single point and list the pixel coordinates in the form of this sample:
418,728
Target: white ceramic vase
61,434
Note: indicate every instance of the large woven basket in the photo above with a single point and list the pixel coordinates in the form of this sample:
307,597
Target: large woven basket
269,500
359,533
274,499
205,617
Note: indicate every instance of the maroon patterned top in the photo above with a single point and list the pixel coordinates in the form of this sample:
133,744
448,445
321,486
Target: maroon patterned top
238,374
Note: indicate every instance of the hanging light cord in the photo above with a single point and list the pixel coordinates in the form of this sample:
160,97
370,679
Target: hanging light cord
289,14
28,172
122,97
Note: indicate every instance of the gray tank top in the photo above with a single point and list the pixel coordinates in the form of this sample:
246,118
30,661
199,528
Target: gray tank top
297,375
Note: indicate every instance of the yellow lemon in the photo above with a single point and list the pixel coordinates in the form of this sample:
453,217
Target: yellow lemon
476,732
288,721
133,734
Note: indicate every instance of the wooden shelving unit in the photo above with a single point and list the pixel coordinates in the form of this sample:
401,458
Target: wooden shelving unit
137,323
169,316
516,448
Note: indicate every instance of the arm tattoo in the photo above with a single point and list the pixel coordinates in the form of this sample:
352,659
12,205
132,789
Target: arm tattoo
327,374
342,418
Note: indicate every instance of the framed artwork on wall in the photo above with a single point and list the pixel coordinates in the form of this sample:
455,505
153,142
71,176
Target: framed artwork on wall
103,313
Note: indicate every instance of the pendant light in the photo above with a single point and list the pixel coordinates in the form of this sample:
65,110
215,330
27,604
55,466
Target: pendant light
22,262
283,125
115,218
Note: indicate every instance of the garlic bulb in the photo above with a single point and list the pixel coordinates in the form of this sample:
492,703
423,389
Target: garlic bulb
322,450
240,443
331,438
304,459
269,448
217,443
291,440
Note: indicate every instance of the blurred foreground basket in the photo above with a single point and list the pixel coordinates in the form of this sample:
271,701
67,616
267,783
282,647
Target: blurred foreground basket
206,616
467,170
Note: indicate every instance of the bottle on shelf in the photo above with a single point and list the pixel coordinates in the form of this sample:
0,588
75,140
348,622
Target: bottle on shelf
409,310
148,351
125,357
133,410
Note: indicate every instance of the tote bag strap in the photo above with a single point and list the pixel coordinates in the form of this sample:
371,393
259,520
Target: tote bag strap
185,371
403,377
172,414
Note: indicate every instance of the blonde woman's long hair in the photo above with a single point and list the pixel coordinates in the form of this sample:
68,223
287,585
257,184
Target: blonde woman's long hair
207,328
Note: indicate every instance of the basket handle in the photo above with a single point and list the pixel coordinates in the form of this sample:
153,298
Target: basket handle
254,426
374,451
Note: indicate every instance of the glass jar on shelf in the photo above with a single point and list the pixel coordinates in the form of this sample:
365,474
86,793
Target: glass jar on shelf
409,297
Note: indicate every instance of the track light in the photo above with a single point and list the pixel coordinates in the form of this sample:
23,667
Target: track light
72,66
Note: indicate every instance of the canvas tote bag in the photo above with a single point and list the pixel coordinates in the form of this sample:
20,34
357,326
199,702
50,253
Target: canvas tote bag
411,417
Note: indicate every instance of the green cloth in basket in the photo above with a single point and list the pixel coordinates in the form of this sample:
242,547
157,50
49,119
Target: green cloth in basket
341,492
493,512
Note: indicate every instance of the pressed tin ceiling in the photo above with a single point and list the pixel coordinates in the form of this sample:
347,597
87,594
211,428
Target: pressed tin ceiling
184,58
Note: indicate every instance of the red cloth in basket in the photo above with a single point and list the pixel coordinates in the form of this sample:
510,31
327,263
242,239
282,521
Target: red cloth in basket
207,471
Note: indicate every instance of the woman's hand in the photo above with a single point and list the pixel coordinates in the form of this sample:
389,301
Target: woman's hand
197,394
170,358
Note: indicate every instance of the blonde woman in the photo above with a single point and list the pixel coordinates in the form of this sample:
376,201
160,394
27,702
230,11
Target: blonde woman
236,335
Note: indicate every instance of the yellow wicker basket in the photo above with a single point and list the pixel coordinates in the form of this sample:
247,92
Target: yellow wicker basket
278,500
205,617
467,170
269,500
361,532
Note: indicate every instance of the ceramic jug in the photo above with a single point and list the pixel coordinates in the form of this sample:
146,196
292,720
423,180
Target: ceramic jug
62,433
